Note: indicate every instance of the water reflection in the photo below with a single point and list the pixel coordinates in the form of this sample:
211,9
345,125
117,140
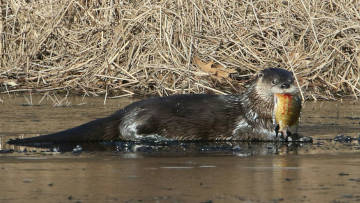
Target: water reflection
99,178
241,149
178,149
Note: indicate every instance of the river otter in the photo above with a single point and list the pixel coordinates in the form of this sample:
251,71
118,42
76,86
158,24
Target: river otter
247,116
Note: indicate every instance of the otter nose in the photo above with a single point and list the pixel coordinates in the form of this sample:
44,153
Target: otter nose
285,86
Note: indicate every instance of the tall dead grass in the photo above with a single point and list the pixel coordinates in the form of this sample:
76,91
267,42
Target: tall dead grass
118,48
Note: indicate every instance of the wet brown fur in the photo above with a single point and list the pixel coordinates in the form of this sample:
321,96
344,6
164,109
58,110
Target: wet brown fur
182,117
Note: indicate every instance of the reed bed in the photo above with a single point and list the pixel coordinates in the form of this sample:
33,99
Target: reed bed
121,48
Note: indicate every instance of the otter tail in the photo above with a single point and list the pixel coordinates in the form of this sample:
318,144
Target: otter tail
97,130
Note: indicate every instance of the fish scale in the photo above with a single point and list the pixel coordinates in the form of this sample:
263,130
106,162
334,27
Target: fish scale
287,111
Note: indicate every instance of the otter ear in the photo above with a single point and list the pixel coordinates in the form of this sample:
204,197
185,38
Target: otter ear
260,74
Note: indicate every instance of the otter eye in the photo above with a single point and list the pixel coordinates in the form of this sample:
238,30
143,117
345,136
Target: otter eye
274,82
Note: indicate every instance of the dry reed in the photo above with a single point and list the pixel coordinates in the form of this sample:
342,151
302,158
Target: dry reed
118,48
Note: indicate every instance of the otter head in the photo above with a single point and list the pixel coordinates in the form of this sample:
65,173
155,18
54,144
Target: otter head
272,81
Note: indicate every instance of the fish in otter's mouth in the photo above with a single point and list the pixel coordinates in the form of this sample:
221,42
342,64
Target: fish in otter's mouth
287,110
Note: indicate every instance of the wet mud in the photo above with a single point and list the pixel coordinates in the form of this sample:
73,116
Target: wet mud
325,171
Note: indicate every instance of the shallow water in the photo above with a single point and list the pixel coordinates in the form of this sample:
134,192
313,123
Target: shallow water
325,171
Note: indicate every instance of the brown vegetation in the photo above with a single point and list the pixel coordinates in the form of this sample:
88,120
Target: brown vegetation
118,48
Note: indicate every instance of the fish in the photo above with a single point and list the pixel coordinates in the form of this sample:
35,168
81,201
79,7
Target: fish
287,111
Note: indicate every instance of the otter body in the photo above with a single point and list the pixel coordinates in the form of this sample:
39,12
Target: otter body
247,116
